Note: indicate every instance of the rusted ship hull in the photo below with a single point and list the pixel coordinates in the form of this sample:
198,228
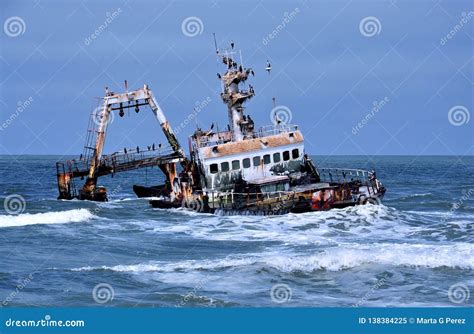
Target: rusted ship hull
303,204
357,188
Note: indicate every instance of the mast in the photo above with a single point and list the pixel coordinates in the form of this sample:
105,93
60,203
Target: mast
240,125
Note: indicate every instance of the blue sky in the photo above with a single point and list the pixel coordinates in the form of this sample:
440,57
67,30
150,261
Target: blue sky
328,69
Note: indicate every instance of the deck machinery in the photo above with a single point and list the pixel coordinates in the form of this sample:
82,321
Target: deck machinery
240,170
92,163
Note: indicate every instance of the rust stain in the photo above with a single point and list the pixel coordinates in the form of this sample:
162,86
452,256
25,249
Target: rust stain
255,144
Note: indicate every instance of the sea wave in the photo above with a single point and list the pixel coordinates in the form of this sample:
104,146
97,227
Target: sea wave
53,217
415,195
314,228
333,259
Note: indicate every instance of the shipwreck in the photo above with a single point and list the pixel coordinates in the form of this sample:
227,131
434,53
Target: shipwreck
242,170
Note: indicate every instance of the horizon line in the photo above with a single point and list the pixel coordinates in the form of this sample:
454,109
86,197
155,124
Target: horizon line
335,155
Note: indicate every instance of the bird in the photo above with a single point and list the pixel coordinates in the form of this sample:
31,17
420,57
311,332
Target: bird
212,125
232,44
252,72
269,67
219,76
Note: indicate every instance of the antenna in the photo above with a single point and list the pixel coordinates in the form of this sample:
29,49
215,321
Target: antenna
275,115
217,60
215,42
241,61
195,120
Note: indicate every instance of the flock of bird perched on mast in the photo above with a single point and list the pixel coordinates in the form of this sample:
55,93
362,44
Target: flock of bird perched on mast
232,64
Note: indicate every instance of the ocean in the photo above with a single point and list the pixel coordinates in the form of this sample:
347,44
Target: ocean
415,249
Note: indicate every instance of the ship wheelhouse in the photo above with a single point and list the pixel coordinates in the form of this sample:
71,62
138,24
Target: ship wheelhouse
223,162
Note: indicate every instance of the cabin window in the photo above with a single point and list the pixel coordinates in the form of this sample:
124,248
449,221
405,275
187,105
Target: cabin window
266,159
276,157
235,164
256,161
246,162
268,188
213,168
295,153
225,167
286,155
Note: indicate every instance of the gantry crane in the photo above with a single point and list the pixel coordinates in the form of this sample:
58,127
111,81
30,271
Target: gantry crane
93,164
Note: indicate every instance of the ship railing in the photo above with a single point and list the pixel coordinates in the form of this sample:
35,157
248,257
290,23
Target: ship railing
223,137
272,130
345,175
265,131
342,174
82,165
134,155
219,198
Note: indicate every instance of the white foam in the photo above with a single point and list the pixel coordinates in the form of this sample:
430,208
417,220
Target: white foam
188,265
445,214
314,228
409,196
460,255
350,256
53,217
